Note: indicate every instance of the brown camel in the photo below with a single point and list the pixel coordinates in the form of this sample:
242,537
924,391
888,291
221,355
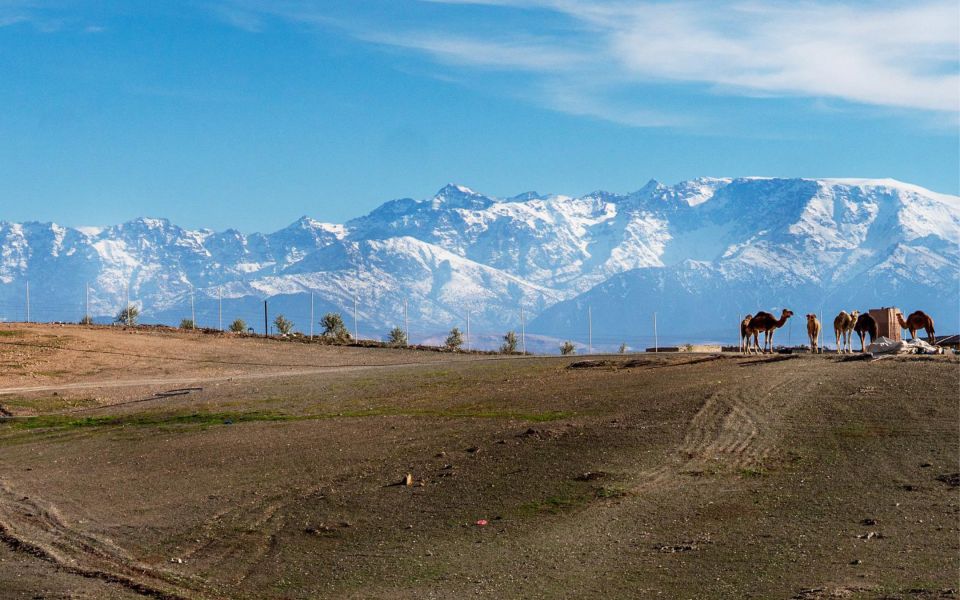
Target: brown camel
916,321
745,333
766,323
843,326
813,332
865,325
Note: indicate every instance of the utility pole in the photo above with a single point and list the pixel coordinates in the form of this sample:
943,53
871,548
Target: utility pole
220,307
266,332
656,341
406,322
739,337
127,300
28,302
311,315
820,335
589,330
468,331
86,301
193,312
356,323
523,332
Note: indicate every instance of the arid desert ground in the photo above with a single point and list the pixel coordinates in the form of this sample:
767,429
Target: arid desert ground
161,464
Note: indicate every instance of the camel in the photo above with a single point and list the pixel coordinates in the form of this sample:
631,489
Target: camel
745,333
918,320
843,326
813,332
766,323
865,325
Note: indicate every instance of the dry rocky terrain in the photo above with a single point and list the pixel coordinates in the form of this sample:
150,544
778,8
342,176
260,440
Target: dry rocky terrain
160,464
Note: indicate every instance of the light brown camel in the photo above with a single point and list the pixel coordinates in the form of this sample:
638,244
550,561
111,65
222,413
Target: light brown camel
745,333
843,326
865,325
766,323
916,321
813,332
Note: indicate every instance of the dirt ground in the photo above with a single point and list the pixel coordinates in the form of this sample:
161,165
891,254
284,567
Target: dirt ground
170,465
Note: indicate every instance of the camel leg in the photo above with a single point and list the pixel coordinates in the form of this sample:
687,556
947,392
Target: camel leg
839,348
771,340
863,348
932,337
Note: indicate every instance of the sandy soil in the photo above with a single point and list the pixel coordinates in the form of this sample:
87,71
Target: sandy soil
649,476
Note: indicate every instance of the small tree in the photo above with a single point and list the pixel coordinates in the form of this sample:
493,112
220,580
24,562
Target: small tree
333,327
454,340
623,348
509,343
567,348
283,325
238,326
86,320
187,324
128,316
397,337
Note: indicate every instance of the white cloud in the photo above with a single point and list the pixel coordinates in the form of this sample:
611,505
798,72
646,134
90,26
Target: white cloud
883,54
604,58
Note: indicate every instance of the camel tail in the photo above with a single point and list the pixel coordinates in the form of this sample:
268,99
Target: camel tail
873,331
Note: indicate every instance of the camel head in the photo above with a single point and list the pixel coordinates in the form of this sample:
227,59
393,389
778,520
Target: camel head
811,317
787,313
854,314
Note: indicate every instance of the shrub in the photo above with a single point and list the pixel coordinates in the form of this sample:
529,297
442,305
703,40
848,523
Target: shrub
128,316
397,337
86,320
454,340
333,327
509,343
187,324
623,348
238,326
284,326
567,348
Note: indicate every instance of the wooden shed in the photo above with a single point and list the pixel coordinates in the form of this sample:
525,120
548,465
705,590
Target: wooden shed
887,324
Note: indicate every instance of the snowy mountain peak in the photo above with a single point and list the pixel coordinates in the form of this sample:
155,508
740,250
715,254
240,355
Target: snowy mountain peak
459,196
715,247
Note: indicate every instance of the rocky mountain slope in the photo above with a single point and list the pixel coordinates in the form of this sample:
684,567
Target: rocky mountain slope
698,253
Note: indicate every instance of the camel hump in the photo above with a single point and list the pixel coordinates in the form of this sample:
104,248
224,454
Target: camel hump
918,314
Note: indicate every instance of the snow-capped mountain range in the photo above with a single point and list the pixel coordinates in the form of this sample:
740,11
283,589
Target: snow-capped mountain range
699,254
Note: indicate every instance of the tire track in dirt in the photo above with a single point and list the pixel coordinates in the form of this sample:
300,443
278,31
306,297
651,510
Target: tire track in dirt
37,528
726,430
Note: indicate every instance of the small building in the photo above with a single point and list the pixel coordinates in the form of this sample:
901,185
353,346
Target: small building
887,324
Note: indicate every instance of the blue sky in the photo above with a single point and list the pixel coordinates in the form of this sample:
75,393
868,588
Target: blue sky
250,113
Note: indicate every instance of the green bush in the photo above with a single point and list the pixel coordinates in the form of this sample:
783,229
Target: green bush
455,340
509,343
567,348
128,316
334,329
238,326
397,337
187,324
284,325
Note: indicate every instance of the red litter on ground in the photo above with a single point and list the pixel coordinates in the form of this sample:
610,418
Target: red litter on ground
481,522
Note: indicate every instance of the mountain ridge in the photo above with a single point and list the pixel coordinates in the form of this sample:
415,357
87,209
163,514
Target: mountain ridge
461,251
